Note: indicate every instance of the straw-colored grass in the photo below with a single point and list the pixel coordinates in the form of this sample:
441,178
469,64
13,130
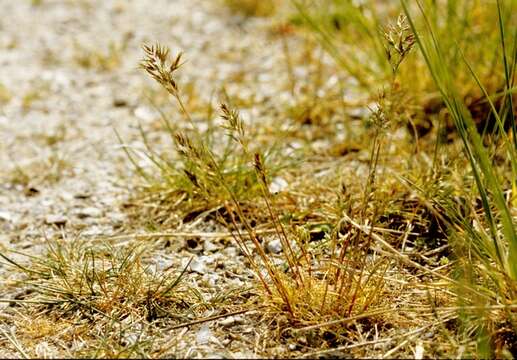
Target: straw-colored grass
395,236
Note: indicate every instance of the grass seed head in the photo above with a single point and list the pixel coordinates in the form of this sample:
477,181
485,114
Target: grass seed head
161,67
399,41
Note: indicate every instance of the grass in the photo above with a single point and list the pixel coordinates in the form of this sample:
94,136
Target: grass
385,232
47,170
314,284
5,94
101,60
35,94
108,299
319,285
493,241
252,7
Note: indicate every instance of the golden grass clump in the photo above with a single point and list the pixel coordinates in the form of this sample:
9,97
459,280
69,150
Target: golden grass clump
102,280
310,284
413,201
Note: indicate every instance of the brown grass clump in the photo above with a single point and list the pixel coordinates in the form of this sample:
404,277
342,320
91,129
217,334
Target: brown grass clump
100,299
87,280
401,219
344,274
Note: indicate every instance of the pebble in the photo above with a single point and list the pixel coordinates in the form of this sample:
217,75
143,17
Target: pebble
274,246
82,195
131,338
119,102
209,246
239,320
210,279
359,113
244,355
227,322
6,216
88,212
428,335
230,251
277,185
198,266
231,321
116,218
144,113
203,335
56,219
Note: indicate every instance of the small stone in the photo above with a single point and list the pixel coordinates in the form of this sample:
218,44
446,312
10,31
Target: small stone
88,212
93,231
428,335
198,266
230,251
119,102
209,259
31,191
274,246
130,339
6,216
82,195
209,246
203,335
227,322
409,249
277,185
44,351
359,113
419,350
237,283
56,219
216,356
144,113
117,219
238,320
243,355
210,280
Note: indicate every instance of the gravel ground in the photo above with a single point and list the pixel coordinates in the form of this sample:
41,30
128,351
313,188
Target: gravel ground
59,152
61,96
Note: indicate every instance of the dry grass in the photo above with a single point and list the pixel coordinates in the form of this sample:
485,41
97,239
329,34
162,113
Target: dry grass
100,298
101,60
404,215
394,225
348,271
252,7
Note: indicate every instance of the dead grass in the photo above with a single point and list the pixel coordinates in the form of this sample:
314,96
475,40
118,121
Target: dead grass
346,275
330,266
387,243
100,299
47,170
5,94
101,60
252,7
